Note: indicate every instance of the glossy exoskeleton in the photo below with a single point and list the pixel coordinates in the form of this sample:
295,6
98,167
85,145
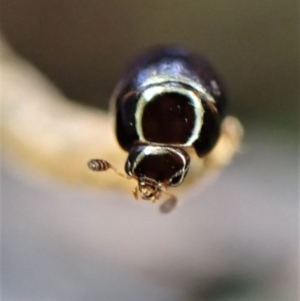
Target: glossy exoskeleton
170,99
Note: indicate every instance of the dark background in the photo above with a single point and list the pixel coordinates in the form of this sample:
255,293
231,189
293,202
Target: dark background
83,46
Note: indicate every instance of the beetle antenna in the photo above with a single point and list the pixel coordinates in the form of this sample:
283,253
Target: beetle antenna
102,165
169,204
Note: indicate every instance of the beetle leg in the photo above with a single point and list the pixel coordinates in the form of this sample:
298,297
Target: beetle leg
135,193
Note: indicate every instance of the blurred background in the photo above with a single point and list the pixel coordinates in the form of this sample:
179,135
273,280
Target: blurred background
237,239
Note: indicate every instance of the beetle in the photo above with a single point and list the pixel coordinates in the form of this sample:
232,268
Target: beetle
168,101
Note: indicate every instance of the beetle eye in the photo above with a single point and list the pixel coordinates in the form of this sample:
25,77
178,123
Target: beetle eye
176,180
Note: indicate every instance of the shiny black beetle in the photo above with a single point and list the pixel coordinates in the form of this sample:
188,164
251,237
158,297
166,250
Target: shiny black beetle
169,100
